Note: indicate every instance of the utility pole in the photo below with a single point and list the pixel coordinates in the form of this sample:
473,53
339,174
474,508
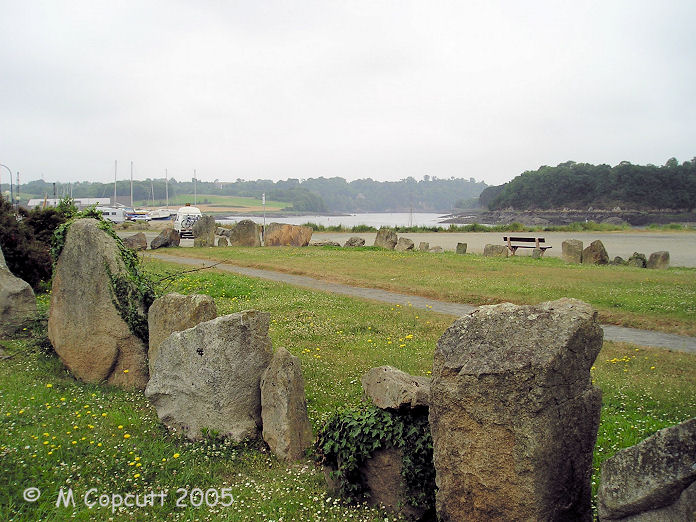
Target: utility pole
113,203
18,190
166,186
263,230
132,207
194,187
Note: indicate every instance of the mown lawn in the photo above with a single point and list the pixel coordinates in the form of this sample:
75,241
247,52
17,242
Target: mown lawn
651,299
56,432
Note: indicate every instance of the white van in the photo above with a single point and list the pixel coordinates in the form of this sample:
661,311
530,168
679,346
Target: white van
113,214
185,218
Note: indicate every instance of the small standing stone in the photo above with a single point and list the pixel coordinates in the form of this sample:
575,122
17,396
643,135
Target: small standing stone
571,251
436,250
403,245
495,251
390,388
386,238
17,300
167,238
638,260
204,232
136,241
461,248
595,254
354,242
286,427
424,246
659,260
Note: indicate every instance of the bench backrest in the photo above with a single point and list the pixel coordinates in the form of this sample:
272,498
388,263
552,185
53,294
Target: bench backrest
524,239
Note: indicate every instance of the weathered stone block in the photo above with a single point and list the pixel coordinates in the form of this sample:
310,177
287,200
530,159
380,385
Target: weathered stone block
403,245
174,313
495,251
637,260
209,376
513,413
17,300
246,233
354,242
461,248
651,476
167,238
136,242
386,238
595,254
659,260
571,251
281,234
390,388
286,427
424,246
204,232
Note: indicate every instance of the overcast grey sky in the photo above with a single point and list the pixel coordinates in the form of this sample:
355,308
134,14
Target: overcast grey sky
380,89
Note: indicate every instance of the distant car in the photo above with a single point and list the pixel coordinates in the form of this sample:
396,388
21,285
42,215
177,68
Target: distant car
186,217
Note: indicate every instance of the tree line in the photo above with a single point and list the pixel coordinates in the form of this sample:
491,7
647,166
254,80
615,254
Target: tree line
582,185
429,194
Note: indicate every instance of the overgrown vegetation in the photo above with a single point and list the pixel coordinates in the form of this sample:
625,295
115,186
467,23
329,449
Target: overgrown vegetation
353,435
25,239
581,185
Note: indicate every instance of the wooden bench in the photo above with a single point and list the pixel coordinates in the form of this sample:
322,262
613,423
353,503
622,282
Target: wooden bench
536,240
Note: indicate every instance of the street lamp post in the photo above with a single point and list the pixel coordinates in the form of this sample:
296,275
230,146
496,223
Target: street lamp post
11,191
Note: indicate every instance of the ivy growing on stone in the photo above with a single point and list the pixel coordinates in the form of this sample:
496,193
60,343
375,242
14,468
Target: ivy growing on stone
351,437
132,292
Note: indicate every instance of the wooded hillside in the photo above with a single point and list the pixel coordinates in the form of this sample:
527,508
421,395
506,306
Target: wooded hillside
582,185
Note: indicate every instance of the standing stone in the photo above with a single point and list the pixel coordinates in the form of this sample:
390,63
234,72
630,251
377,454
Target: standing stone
246,233
436,250
513,413
354,242
461,248
658,260
174,313
571,251
386,238
390,388
84,326
495,251
286,427
204,232
618,260
17,300
595,254
654,480
281,234
424,246
403,244
209,377
638,260
136,241
167,238
222,242
537,253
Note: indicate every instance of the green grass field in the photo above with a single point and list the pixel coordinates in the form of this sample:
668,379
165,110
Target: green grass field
651,299
56,432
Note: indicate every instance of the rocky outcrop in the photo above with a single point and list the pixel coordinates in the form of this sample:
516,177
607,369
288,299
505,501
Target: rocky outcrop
637,260
571,251
136,241
209,377
286,427
354,242
204,232
174,313
403,244
84,325
167,238
17,300
595,254
281,234
654,480
495,251
658,260
246,233
513,413
390,388
386,238
461,248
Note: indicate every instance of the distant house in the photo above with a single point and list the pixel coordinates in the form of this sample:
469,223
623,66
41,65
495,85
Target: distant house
79,202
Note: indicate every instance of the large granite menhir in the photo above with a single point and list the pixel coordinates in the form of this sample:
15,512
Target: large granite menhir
513,413
282,234
84,326
209,377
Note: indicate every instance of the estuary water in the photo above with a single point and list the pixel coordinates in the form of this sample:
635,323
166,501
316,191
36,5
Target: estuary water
422,219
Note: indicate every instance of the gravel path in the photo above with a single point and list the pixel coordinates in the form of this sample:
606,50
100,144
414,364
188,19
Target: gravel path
611,333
